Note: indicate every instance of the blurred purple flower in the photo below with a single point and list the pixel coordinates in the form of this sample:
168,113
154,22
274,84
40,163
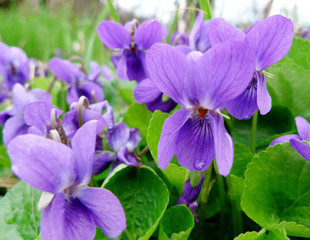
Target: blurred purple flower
96,72
13,119
77,80
132,41
196,133
13,68
270,40
71,210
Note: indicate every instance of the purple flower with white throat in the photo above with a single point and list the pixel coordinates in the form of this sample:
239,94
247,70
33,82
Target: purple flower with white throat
201,84
13,119
70,209
270,40
13,66
132,41
69,73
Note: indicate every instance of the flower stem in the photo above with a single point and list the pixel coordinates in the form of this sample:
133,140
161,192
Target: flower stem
254,127
208,183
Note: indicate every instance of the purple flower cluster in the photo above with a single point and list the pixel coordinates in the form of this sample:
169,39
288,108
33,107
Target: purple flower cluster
217,67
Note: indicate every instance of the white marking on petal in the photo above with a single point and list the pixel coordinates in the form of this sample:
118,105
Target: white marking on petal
222,114
45,200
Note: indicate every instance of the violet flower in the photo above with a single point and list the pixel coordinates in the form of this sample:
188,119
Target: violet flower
270,40
77,80
13,66
96,72
123,141
303,129
132,41
201,84
14,118
71,210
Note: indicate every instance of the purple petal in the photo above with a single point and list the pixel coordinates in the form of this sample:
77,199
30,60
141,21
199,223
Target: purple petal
83,146
95,71
148,33
195,144
303,128
270,40
124,156
108,115
107,72
179,39
88,88
222,31
70,121
184,49
117,136
135,61
13,127
106,210
190,194
113,35
230,70
170,70
43,163
52,219
244,105
72,94
122,68
67,219
146,91
38,114
134,139
263,97
66,70
223,143
302,148
285,138
169,134
102,161
194,35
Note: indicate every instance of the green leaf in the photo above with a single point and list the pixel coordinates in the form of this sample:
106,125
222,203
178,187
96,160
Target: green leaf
176,176
289,87
278,120
251,236
127,95
19,217
138,116
235,188
113,11
242,157
176,224
154,131
277,190
144,197
277,234
300,52
4,157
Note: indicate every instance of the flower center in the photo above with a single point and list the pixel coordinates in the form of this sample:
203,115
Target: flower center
202,112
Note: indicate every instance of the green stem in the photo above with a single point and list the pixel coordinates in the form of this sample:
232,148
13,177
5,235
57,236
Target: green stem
208,183
63,97
254,127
